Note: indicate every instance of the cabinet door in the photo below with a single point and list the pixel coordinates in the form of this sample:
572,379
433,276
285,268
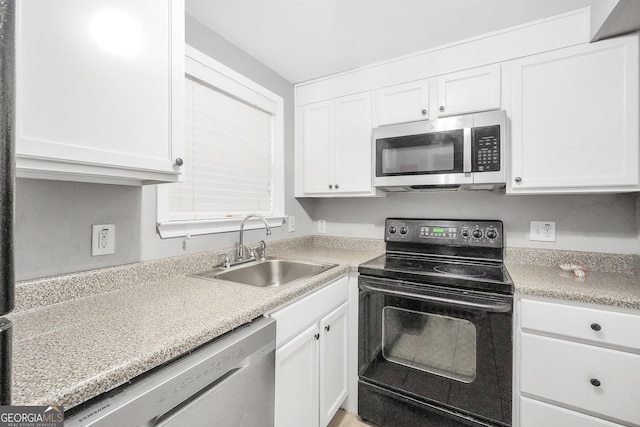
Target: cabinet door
575,119
296,402
318,137
405,102
352,152
535,414
333,362
96,99
469,91
590,378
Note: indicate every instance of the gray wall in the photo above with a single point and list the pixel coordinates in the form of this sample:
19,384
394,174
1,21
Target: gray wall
53,226
600,223
209,42
53,219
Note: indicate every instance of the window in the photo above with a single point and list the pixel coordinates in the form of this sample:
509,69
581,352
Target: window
233,154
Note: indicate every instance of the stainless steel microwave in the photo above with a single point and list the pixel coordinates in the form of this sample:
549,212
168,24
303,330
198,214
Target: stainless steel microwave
461,152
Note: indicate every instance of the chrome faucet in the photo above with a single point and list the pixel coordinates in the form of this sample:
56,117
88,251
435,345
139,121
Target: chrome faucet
240,255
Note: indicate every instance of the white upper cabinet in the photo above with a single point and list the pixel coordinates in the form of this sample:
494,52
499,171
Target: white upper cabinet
406,102
466,91
469,91
100,90
318,145
352,151
336,147
575,119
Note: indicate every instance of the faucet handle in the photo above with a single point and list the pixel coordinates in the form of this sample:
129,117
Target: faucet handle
263,249
226,262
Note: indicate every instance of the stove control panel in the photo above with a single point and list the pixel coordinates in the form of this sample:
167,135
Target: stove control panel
445,232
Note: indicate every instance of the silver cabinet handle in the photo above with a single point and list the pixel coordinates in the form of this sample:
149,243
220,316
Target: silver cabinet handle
441,108
330,186
179,162
424,112
327,328
518,180
317,336
595,382
337,186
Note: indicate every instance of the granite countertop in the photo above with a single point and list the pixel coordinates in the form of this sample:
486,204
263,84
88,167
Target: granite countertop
73,350
611,279
79,335
607,288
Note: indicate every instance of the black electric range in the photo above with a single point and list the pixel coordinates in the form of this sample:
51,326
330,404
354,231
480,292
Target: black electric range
465,254
435,326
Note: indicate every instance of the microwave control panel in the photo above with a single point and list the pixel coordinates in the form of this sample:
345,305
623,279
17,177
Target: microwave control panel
485,148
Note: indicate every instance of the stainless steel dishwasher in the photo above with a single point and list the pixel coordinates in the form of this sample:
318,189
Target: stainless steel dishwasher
230,382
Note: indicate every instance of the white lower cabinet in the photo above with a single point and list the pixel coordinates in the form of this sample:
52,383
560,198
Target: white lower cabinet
312,357
297,380
534,413
575,366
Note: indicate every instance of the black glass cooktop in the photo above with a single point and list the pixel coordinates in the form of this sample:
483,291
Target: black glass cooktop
458,273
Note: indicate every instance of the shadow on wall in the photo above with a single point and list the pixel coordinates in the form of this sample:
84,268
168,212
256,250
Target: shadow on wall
53,226
599,223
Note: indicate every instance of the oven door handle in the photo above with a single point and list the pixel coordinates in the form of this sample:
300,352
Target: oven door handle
494,307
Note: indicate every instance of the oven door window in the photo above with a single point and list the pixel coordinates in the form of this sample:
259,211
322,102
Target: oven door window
438,152
437,344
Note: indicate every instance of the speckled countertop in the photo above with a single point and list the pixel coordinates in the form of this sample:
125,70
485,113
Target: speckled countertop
77,348
79,335
611,279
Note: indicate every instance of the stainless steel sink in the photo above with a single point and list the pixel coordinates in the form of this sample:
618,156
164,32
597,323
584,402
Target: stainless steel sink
268,275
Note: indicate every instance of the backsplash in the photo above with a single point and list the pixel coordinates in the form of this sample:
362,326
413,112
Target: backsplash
598,261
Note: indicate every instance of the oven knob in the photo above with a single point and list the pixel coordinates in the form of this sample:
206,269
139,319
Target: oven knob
477,233
492,234
392,230
465,232
403,230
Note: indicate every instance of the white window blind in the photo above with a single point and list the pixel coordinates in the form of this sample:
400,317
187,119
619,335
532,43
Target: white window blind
228,157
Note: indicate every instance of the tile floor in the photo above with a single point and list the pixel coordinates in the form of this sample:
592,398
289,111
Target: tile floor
347,419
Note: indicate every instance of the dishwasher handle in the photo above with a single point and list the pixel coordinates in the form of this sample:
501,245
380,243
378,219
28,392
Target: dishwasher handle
168,419
484,304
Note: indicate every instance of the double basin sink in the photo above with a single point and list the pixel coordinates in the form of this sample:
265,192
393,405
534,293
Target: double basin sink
268,275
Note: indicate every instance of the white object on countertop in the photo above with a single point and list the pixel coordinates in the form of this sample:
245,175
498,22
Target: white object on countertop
578,270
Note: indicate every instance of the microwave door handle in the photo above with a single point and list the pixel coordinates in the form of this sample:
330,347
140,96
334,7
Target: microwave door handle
495,307
466,146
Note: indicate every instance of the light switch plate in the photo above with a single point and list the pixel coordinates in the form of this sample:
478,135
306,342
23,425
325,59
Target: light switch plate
544,231
292,223
322,226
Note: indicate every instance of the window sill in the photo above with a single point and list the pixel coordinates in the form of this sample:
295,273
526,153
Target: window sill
171,229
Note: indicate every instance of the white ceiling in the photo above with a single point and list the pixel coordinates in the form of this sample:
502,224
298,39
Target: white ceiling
305,39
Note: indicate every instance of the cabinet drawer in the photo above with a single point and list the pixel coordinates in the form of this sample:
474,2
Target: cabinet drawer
590,324
562,371
535,414
295,317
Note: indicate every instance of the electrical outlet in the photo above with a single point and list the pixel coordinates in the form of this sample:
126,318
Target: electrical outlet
544,231
103,239
322,226
292,223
